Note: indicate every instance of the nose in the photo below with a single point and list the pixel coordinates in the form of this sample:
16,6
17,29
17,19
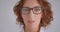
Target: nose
31,15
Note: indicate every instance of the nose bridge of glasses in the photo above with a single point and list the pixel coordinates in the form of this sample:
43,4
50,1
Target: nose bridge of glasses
31,11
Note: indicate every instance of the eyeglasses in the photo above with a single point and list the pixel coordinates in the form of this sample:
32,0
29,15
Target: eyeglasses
35,10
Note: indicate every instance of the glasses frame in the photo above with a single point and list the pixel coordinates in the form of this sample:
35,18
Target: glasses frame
31,9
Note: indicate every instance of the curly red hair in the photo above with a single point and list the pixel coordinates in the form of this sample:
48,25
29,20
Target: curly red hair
47,15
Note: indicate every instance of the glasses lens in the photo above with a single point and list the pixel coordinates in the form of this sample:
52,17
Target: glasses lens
25,10
37,10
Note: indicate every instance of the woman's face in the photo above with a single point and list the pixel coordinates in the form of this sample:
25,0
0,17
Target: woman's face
31,18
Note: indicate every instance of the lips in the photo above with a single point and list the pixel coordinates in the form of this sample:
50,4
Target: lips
31,21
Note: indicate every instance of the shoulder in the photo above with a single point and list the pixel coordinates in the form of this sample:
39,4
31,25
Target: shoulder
42,29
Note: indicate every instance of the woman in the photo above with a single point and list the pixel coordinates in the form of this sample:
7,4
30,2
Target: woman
33,14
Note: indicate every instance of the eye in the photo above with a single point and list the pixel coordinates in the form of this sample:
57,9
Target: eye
37,9
25,10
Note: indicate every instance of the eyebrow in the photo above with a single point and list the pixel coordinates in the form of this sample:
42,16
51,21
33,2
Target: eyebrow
33,7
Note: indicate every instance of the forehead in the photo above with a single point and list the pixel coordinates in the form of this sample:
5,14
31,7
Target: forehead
31,3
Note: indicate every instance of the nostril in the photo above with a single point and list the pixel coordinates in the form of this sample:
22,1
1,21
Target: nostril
31,21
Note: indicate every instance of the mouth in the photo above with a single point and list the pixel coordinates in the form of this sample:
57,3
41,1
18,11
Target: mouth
31,22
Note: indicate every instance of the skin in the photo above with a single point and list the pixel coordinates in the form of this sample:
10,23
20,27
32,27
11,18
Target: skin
34,19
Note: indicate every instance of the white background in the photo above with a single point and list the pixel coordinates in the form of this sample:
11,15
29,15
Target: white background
8,22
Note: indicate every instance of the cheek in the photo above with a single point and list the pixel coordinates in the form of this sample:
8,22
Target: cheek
37,18
25,18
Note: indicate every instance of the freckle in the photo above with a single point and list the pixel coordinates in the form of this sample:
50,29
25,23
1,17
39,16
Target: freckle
36,15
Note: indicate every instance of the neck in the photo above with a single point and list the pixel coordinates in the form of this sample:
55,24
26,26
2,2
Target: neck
32,29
